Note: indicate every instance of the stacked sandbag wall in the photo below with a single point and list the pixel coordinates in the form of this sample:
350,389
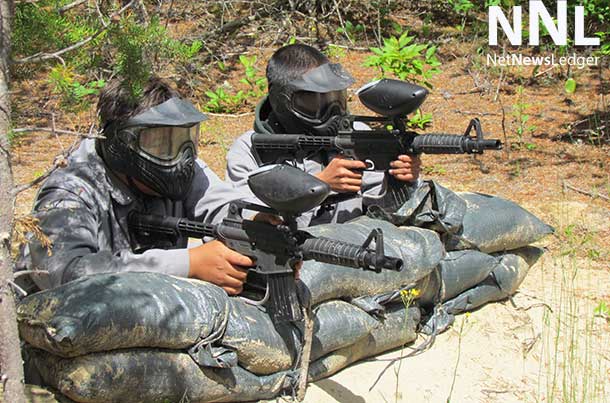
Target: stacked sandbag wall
151,337
134,337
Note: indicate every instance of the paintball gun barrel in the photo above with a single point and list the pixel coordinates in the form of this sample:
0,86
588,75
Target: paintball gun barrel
276,249
378,147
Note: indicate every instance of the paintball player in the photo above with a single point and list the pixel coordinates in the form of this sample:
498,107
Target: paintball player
147,162
307,95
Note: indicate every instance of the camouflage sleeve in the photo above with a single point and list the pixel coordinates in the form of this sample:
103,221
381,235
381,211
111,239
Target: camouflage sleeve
76,232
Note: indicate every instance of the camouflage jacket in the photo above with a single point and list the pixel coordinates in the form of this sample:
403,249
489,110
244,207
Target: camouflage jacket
83,210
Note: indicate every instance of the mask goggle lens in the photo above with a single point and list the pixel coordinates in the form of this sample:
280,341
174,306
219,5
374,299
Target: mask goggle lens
165,142
315,104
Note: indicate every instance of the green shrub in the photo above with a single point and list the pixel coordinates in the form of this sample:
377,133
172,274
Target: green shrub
405,59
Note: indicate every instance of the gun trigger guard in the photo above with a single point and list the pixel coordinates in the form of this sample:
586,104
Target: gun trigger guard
257,303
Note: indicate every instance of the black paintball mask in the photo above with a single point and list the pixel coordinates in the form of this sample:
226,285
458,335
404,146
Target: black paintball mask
314,103
158,147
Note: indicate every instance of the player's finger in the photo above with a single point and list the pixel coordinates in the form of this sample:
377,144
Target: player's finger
237,272
237,259
232,290
351,182
353,164
344,172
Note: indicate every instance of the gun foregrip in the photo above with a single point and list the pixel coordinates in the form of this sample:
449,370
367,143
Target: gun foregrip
452,144
340,253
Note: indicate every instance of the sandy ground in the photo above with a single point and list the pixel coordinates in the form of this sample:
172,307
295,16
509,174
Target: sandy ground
545,345
500,353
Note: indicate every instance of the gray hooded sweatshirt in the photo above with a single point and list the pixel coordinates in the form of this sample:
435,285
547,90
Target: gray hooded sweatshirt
241,162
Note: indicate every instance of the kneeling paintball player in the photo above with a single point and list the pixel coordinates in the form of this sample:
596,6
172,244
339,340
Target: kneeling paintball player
146,162
308,95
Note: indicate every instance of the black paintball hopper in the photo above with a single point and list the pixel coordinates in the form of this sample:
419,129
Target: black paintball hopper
389,97
287,189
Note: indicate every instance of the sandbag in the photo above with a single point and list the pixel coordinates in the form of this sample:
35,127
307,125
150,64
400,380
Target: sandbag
429,205
152,376
338,324
179,314
263,347
492,224
467,220
420,250
397,329
458,271
123,310
501,283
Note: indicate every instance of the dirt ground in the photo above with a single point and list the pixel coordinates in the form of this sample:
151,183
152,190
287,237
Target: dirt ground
546,345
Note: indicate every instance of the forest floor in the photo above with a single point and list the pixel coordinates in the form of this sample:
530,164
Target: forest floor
547,344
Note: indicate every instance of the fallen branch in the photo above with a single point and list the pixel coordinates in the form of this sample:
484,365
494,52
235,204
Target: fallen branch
57,131
476,113
566,185
61,161
233,25
26,186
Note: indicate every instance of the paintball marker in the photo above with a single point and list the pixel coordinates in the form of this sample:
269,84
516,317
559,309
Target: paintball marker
393,100
276,249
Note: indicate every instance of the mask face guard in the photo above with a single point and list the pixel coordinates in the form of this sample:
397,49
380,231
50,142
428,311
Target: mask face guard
320,94
325,78
160,134
295,116
316,107
161,145
173,112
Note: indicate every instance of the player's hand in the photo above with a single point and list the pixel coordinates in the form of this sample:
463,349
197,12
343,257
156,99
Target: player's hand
406,168
342,174
217,264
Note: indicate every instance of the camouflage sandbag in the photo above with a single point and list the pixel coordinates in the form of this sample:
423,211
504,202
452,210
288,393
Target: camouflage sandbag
501,283
152,376
338,324
429,205
467,220
397,329
492,224
113,311
420,250
109,312
263,347
458,271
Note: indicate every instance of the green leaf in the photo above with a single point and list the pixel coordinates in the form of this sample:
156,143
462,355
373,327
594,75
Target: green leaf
570,86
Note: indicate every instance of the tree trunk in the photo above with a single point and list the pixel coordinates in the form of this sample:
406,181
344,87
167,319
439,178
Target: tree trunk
11,366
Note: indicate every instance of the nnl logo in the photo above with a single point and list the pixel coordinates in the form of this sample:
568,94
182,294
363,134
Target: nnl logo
537,12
